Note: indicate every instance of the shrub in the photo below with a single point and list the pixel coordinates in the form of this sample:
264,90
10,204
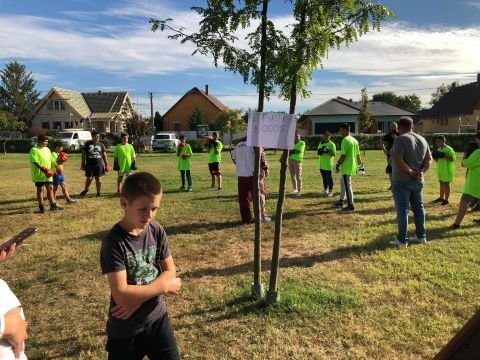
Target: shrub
197,145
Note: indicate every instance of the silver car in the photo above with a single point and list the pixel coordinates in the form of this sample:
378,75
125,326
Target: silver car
165,141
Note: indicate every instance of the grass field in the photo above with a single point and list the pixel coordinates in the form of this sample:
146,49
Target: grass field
345,293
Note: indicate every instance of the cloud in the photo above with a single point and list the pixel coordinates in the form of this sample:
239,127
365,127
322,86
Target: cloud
475,4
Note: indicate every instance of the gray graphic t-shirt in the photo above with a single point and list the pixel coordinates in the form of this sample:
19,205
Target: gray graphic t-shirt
93,152
140,256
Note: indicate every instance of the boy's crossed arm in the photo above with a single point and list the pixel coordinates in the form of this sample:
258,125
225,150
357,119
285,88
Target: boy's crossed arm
128,298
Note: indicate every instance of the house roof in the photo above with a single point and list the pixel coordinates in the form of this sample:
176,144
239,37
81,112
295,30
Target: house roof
105,102
74,98
341,106
459,101
217,103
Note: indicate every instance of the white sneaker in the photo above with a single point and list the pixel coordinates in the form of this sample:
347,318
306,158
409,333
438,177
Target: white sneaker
330,194
266,219
295,191
298,193
416,239
398,243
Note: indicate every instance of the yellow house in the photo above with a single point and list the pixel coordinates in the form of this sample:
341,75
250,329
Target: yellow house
177,117
458,111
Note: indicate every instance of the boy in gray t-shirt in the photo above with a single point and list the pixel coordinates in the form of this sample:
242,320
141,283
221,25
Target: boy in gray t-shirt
140,270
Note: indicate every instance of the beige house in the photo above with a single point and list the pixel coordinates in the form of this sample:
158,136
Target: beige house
64,109
458,111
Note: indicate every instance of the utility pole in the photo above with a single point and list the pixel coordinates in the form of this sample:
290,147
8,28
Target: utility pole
151,111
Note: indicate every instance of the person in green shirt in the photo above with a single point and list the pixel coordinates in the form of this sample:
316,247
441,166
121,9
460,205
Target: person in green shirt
326,151
471,189
42,174
184,153
445,157
295,164
124,160
214,158
348,162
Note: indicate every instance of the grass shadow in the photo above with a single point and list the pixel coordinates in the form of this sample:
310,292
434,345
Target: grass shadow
195,228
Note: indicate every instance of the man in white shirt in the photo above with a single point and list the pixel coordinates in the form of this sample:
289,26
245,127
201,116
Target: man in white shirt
244,158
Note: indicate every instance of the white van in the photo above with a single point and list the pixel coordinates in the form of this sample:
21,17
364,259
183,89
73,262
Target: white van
74,139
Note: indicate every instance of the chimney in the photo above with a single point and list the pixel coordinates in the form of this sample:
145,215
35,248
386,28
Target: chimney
206,88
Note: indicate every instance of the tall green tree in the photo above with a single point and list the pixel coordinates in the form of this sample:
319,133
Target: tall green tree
137,128
364,116
196,118
158,121
442,90
231,121
408,102
17,90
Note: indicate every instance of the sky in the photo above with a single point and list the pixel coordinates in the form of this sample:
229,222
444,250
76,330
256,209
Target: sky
91,45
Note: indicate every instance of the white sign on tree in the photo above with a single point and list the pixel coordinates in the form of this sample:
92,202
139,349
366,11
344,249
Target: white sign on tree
271,130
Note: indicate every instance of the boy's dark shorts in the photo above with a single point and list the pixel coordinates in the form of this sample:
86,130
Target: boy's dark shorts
94,170
468,198
388,169
43,183
214,168
58,179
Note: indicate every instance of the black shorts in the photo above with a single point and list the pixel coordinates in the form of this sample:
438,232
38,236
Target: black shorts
44,183
388,169
214,168
94,170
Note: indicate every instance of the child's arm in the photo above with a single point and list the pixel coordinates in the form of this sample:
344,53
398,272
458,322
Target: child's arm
129,297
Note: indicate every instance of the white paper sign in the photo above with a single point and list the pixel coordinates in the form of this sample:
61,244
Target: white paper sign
271,130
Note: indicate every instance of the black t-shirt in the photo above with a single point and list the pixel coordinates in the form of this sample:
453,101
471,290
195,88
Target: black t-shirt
140,256
93,152
389,139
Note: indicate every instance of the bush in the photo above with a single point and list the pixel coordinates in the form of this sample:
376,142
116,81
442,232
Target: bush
16,145
197,145
110,139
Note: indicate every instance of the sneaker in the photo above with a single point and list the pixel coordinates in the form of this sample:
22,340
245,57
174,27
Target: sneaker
266,219
98,194
55,207
182,188
219,189
348,208
338,203
83,193
330,194
416,239
476,208
454,227
71,201
436,201
398,243
213,188
299,193
189,189
41,209
294,192
444,202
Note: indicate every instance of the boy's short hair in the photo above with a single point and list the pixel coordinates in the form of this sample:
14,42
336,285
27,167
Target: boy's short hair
122,135
57,144
141,184
42,138
405,122
441,137
94,132
345,126
328,133
181,137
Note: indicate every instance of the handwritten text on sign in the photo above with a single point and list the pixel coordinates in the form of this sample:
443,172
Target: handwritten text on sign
271,130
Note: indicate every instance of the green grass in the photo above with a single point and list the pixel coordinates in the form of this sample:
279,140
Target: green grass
345,293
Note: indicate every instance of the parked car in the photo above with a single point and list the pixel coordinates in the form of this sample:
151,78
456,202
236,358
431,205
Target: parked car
165,141
74,139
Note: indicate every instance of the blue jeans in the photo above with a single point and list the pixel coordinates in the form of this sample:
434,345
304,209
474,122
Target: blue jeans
409,194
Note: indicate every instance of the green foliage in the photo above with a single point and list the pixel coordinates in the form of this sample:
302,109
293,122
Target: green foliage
158,121
408,102
110,139
195,119
442,90
197,145
136,128
16,145
231,121
10,123
17,90
364,117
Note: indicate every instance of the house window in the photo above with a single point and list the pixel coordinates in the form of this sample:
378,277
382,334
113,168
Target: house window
45,125
177,126
57,125
57,105
68,125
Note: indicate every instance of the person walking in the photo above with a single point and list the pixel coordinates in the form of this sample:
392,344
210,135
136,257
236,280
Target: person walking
295,164
411,160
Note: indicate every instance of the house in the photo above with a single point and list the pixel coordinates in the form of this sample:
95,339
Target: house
329,115
64,109
177,117
458,111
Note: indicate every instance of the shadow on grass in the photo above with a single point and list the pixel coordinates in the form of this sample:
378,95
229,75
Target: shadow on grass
19,210
195,228
97,236
17,201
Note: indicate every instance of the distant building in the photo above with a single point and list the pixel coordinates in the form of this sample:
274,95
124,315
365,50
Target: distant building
177,117
64,109
458,111
329,115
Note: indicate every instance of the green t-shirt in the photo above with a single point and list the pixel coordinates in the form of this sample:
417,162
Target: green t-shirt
351,151
42,156
325,161
215,146
184,164
472,184
124,154
446,168
299,148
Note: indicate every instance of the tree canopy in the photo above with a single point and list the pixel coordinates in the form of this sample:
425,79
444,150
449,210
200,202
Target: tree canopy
408,102
442,90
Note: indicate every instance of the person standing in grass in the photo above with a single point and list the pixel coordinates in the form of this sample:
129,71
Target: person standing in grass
471,189
59,157
184,153
386,144
445,157
124,160
411,159
42,174
348,163
326,151
215,147
140,269
94,163
295,161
